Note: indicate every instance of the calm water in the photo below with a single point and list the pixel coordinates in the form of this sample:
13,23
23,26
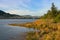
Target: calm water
7,32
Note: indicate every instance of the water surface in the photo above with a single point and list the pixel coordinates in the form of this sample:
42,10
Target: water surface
8,32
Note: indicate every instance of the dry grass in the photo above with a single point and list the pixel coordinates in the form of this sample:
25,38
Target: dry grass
48,30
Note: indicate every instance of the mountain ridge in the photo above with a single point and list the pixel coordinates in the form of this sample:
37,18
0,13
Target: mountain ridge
4,15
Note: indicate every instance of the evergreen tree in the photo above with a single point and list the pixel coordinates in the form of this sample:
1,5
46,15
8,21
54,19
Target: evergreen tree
53,10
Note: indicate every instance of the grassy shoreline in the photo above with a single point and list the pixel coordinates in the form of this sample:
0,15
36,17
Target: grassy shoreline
48,30
48,26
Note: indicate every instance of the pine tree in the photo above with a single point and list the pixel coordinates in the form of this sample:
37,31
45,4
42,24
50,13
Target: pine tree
53,10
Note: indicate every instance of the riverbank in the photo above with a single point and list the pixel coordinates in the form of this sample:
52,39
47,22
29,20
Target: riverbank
48,29
48,26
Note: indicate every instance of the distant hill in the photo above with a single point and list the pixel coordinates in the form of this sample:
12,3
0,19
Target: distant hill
4,15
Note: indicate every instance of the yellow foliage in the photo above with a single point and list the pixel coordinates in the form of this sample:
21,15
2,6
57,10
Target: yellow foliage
47,30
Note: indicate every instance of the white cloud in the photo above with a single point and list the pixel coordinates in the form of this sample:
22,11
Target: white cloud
21,4
28,12
21,12
3,6
14,3
24,3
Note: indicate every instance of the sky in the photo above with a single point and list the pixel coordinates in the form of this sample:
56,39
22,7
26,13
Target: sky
27,7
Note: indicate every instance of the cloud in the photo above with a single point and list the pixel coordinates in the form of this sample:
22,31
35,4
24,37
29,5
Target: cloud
14,3
21,12
3,6
28,12
27,7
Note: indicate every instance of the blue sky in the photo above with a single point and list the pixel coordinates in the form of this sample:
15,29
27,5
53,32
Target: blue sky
27,7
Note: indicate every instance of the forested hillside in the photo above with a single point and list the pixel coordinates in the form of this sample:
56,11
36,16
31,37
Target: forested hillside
4,15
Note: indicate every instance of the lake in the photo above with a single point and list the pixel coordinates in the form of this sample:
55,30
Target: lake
8,32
